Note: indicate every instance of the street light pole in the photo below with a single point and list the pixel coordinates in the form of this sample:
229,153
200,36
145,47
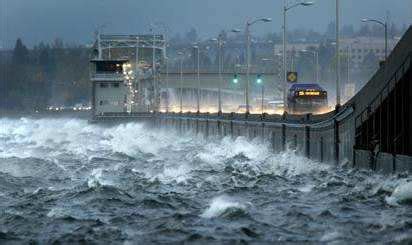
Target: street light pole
385,25
284,56
165,31
247,67
220,66
317,67
337,56
181,81
167,85
198,79
220,42
285,10
196,47
136,70
219,45
248,43
155,85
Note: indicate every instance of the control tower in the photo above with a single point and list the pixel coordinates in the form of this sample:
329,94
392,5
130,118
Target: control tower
124,74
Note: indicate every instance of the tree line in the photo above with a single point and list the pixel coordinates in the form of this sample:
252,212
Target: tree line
32,79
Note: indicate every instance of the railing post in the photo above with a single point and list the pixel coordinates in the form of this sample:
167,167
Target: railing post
273,141
207,129
321,149
231,129
307,137
263,132
283,137
336,129
197,126
219,128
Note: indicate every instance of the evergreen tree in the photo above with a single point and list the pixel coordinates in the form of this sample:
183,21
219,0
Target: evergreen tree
20,53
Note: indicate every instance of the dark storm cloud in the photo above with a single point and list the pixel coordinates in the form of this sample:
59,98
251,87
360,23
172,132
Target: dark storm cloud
75,20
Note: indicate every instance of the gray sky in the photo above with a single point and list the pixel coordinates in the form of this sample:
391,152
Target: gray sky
75,20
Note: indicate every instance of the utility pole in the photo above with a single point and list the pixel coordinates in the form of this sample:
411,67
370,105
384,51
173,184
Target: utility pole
284,56
285,10
154,74
220,44
167,84
247,67
248,43
198,80
99,47
181,84
385,26
338,100
137,73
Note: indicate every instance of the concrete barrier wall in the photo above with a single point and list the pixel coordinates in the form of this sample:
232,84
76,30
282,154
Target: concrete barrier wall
330,141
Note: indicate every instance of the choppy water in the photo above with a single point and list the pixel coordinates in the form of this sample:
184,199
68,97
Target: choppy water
71,182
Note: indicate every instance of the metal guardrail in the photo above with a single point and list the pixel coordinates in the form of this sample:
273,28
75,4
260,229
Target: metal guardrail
395,78
275,120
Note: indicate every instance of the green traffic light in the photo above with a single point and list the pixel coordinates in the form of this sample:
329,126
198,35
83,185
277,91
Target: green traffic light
259,79
235,79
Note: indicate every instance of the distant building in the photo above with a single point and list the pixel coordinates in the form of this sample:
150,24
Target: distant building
294,47
124,73
360,47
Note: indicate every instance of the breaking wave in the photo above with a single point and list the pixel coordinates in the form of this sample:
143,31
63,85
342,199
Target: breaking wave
131,184
223,206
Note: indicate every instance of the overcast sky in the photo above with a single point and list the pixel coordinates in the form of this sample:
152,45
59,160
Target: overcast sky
75,20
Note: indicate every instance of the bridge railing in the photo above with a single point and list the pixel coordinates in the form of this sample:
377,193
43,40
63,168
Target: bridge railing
384,92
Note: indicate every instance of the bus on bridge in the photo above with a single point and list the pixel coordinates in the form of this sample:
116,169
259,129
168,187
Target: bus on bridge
307,98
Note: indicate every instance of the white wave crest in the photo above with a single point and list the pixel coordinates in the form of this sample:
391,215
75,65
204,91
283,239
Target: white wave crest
221,205
402,194
257,155
173,157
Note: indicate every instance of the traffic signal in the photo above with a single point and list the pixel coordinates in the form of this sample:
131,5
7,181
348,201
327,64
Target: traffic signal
235,79
259,79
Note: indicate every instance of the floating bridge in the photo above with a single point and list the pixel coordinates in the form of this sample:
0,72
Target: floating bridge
372,130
